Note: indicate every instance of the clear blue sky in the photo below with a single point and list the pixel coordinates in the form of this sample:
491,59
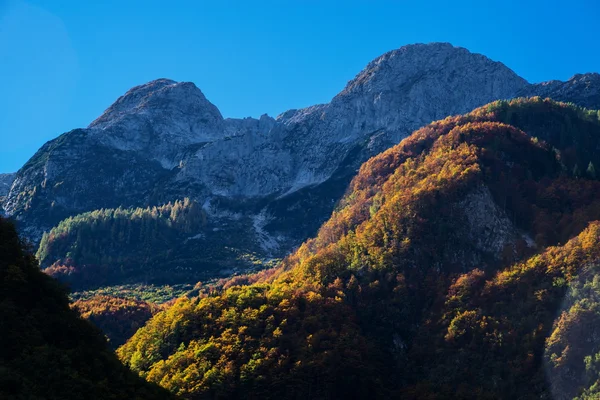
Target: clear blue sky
62,62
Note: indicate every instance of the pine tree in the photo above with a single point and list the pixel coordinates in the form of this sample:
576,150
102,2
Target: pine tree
591,170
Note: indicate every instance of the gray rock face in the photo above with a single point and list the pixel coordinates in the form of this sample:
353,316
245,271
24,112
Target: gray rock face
581,89
6,181
273,181
488,228
414,85
160,119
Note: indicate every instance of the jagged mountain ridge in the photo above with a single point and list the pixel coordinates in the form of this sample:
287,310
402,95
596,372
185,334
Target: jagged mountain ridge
270,182
583,89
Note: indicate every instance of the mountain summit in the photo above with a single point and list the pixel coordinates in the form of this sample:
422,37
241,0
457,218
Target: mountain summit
162,97
160,118
414,85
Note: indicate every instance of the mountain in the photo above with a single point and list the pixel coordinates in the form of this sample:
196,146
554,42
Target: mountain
582,89
48,351
462,263
264,184
6,181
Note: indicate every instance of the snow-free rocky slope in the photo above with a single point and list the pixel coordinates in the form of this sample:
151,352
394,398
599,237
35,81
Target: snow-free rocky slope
6,181
266,184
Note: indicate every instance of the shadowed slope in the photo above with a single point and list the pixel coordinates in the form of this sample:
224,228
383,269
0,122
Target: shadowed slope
47,350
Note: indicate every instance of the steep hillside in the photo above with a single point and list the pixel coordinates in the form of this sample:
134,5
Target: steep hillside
439,276
6,181
48,351
112,246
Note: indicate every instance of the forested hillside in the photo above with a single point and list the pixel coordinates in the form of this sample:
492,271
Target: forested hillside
440,275
110,246
48,351
118,318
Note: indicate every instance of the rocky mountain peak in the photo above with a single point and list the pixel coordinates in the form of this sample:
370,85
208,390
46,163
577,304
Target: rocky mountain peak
161,97
407,88
416,62
159,118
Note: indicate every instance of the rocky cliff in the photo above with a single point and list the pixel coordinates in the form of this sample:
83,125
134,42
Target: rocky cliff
6,181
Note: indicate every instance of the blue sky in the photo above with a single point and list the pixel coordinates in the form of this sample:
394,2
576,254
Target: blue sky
63,62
